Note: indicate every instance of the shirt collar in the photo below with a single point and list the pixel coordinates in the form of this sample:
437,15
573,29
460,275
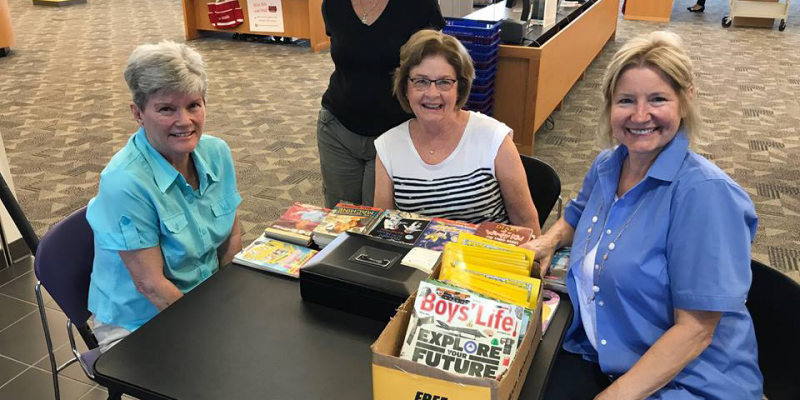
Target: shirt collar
670,159
667,163
163,172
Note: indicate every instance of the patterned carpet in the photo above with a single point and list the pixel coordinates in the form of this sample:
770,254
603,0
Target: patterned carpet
64,110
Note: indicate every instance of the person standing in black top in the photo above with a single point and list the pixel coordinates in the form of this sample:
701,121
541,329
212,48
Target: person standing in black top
358,106
699,7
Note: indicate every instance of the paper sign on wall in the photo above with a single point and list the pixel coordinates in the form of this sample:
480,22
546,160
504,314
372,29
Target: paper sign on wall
265,15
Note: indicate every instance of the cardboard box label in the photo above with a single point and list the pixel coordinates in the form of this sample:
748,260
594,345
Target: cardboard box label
392,384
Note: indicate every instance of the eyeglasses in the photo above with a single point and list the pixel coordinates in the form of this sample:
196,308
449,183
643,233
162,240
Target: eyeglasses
422,84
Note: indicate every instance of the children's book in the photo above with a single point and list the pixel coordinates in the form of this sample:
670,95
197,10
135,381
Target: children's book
399,226
550,302
297,223
274,256
428,247
459,331
345,217
510,234
556,276
441,231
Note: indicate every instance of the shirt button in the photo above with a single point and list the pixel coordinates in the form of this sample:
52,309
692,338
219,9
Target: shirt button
611,246
589,230
603,342
594,219
596,266
125,220
600,303
191,199
596,288
608,231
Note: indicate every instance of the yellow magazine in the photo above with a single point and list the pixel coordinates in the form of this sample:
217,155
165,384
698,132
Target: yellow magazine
497,261
477,241
515,288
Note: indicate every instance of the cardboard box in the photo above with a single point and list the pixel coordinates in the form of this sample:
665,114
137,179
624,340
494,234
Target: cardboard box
394,378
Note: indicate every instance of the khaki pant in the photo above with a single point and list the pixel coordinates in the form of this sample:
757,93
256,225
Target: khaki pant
347,161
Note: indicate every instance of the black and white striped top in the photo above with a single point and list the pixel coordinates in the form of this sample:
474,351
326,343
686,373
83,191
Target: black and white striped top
462,187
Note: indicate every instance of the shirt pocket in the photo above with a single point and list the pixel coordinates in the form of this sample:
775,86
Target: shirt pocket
175,224
175,240
224,211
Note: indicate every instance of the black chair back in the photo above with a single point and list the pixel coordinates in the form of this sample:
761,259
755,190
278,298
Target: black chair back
544,184
64,263
773,304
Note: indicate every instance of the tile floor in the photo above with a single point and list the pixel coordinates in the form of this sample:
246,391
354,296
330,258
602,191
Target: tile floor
24,365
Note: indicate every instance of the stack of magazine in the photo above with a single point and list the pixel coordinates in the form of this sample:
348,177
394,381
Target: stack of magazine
462,332
472,320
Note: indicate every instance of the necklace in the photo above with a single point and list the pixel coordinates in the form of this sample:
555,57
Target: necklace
365,16
611,246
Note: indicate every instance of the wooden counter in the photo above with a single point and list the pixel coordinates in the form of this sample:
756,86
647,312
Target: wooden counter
648,10
6,30
301,19
531,82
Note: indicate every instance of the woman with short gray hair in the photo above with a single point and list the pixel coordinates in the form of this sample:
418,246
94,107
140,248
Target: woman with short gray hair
164,218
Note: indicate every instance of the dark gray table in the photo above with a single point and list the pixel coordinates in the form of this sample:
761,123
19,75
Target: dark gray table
244,334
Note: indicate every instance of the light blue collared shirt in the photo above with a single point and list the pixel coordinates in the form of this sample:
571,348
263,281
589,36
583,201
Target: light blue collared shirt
687,247
144,202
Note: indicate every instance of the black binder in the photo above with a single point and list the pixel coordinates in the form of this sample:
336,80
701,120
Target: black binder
362,275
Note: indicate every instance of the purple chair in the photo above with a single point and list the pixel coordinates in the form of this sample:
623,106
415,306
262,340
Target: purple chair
63,265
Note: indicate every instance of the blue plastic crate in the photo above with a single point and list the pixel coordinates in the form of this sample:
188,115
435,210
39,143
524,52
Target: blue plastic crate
482,88
480,97
484,57
471,27
480,48
487,110
476,40
480,105
485,77
483,67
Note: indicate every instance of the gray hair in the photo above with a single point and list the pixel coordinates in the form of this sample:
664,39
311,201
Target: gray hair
168,66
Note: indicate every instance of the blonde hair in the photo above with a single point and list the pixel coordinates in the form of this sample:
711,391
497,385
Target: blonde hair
429,43
662,51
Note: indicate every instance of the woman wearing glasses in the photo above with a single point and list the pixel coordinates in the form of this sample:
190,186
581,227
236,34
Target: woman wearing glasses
448,162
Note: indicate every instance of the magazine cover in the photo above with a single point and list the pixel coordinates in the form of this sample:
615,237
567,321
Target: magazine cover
458,331
275,256
399,226
510,234
347,217
297,223
441,231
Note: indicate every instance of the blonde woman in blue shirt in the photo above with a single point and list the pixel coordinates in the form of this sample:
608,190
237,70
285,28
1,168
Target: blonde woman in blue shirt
660,236
164,218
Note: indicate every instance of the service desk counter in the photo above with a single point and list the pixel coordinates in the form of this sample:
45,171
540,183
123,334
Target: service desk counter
6,30
301,19
534,76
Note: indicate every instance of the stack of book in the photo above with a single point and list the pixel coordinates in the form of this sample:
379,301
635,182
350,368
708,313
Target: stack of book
297,224
428,248
345,217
